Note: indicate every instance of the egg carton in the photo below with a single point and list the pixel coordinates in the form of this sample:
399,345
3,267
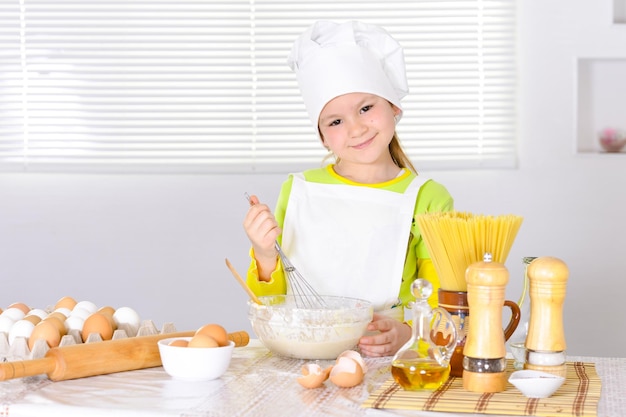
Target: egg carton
19,351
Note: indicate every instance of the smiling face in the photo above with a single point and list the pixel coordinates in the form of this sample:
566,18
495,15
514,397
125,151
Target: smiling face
358,128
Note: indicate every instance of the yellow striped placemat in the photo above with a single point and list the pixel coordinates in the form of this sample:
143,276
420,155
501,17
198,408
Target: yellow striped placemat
578,396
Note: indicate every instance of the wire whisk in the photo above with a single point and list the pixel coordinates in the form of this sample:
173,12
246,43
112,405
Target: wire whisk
303,293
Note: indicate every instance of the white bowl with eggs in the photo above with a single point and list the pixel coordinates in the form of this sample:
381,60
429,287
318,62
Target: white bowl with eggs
194,363
309,333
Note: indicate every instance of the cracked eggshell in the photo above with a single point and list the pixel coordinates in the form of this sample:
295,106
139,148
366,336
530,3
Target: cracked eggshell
353,354
313,376
346,373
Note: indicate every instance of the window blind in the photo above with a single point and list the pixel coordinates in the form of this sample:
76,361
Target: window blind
203,85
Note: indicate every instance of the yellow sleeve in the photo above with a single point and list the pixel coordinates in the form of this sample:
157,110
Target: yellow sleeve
276,285
426,270
433,197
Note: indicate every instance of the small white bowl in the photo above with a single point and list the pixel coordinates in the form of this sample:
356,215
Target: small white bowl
536,384
194,364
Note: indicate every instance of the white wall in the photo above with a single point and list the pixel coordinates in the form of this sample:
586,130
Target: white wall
158,243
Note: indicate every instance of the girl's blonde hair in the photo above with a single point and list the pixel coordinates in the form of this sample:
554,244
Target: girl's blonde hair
398,155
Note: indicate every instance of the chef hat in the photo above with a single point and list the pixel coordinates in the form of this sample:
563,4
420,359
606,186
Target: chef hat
331,59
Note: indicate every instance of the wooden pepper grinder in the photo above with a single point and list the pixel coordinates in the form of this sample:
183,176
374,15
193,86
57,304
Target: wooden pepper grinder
545,342
484,362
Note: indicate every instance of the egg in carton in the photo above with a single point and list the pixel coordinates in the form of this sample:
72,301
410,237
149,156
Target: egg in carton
28,333
18,349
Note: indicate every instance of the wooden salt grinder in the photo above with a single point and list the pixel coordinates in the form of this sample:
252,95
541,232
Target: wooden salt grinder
484,362
545,342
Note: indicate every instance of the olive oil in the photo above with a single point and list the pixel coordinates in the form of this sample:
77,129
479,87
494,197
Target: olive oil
417,375
423,364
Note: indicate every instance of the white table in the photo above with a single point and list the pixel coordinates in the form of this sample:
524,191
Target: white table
257,383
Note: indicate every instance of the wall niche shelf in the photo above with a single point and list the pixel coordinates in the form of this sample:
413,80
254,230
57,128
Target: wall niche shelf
600,101
619,12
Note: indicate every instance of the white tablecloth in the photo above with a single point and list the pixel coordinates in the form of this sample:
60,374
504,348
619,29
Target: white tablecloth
257,383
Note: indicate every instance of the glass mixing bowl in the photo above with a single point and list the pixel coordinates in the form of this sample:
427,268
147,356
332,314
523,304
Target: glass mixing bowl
309,333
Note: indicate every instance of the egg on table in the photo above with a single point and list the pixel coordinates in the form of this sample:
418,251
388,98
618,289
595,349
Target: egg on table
313,376
348,371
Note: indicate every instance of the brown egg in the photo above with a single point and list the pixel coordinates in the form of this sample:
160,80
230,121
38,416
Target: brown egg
313,376
179,342
98,323
58,320
65,302
33,318
46,330
106,310
202,341
21,306
346,373
217,332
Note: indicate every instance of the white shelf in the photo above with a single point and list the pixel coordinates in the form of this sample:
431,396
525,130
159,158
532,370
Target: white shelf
600,100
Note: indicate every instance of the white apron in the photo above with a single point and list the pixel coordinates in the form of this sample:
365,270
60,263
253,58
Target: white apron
350,241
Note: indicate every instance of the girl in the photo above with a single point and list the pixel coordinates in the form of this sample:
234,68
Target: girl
349,227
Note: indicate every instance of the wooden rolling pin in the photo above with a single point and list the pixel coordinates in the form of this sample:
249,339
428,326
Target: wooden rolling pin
99,358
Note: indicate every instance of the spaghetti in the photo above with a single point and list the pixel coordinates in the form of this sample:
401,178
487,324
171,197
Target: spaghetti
457,239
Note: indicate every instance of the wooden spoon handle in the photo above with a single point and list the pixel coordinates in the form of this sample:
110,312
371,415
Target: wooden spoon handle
243,284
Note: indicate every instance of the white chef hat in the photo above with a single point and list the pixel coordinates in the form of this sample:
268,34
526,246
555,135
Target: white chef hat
331,59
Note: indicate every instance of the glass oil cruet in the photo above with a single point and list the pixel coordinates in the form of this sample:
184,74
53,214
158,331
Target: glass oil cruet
518,339
423,364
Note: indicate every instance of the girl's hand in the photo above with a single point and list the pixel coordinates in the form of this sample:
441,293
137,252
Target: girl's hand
262,229
393,335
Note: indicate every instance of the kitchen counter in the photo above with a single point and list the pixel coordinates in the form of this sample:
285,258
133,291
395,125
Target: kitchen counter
257,383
